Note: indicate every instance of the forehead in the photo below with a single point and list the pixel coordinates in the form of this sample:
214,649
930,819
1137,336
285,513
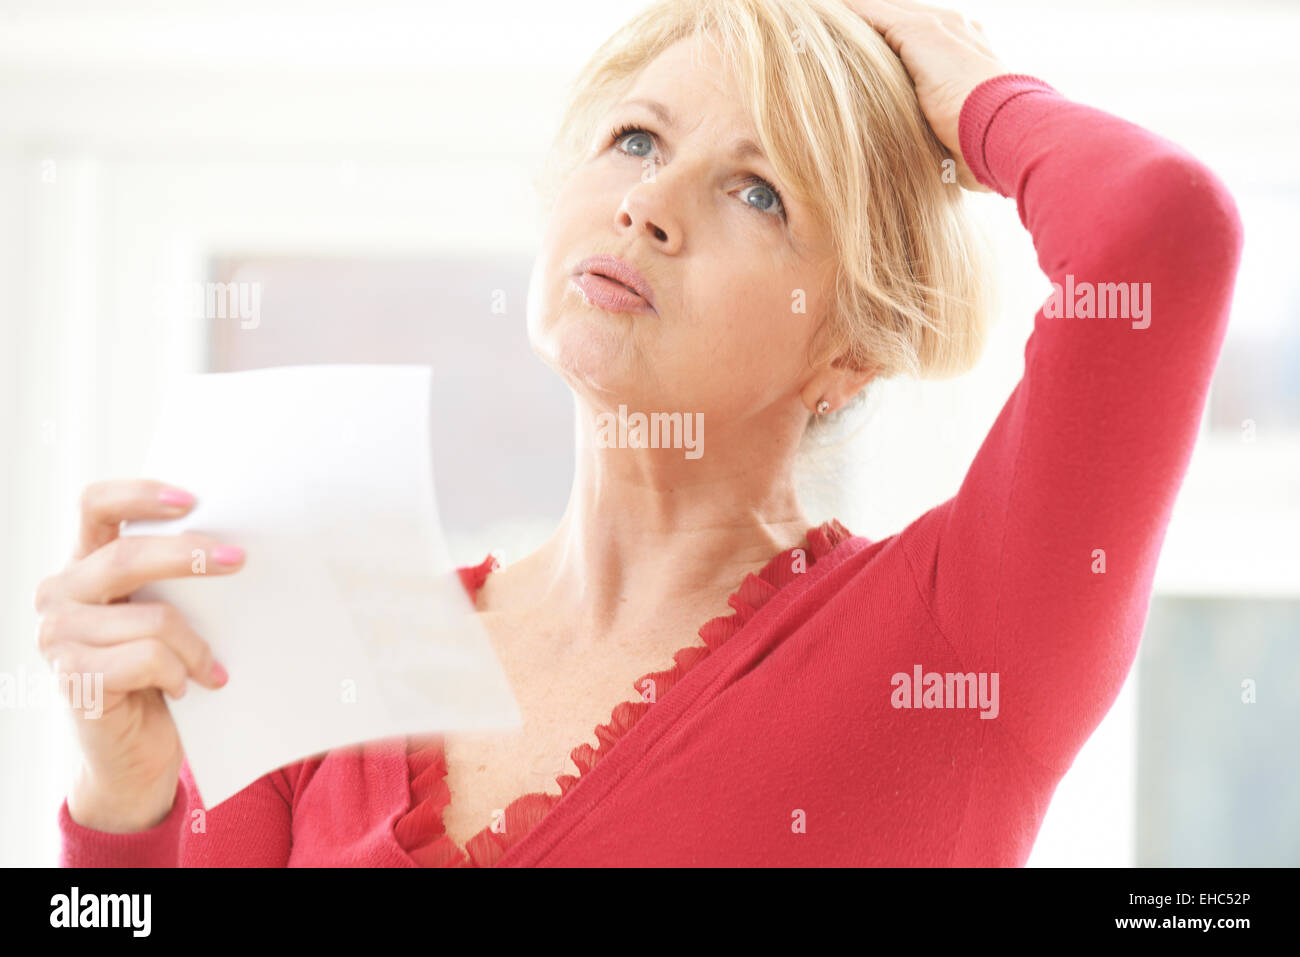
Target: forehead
691,77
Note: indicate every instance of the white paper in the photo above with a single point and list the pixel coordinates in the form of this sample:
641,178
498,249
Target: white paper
347,621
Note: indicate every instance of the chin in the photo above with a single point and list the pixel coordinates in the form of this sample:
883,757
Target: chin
588,347
590,355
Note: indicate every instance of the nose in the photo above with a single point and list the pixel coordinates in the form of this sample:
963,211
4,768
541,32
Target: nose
646,209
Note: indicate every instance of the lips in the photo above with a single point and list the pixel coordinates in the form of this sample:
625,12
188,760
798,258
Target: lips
610,283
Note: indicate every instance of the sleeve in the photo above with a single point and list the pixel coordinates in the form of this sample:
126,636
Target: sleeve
251,829
1040,568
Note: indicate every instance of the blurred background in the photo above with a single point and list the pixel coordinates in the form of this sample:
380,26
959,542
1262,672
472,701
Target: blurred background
368,168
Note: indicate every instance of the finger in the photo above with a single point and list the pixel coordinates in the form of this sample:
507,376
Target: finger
126,667
890,16
879,13
105,505
127,563
106,625
895,21
886,5
929,9
893,9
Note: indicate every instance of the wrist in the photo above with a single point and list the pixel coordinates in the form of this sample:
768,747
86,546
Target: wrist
120,810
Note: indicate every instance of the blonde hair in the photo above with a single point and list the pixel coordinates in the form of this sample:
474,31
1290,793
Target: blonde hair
837,116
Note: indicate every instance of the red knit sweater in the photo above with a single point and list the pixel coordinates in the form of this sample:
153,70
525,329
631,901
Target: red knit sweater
783,739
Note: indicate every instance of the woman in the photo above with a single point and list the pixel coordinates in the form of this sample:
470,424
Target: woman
911,701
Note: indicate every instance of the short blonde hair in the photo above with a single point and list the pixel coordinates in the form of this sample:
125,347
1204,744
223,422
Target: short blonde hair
837,116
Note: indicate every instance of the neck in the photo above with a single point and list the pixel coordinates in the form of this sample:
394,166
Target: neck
650,534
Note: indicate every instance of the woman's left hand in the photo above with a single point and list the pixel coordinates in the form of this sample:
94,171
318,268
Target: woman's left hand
947,57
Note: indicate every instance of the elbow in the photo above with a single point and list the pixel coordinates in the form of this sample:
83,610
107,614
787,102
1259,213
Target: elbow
1192,215
1188,241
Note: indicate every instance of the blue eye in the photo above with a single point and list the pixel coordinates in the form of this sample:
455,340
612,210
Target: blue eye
776,197
630,132
624,131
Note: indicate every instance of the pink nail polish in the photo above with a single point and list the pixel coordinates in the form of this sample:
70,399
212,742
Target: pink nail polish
219,674
228,554
175,496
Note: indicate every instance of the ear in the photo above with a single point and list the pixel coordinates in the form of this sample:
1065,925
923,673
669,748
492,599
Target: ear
837,383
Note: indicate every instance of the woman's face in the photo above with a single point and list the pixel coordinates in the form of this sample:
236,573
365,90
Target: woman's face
739,278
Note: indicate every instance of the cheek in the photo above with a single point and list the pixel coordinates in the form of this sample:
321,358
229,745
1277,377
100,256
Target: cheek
760,315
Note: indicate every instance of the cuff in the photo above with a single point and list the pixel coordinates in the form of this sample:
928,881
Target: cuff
157,847
975,123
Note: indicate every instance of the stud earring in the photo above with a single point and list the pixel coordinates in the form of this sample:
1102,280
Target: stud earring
823,407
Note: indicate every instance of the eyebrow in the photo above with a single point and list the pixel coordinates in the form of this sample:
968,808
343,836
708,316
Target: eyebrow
741,149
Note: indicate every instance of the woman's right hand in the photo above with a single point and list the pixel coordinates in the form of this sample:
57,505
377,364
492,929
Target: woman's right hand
131,752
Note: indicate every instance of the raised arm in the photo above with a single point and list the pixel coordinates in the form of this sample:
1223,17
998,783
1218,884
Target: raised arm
1041,566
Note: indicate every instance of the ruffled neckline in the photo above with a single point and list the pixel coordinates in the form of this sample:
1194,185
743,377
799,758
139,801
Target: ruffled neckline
420,831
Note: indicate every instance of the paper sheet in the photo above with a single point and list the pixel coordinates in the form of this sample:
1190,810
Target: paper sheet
347,622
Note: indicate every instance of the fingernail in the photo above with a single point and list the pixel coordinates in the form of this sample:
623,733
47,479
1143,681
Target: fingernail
175,496
219,675
228,554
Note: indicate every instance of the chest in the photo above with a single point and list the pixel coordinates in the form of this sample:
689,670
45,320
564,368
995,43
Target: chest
563,696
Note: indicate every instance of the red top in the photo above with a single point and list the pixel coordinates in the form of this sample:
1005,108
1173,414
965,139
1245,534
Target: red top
785,740
420,830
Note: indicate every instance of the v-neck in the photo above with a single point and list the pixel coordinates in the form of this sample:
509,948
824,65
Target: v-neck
540,818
